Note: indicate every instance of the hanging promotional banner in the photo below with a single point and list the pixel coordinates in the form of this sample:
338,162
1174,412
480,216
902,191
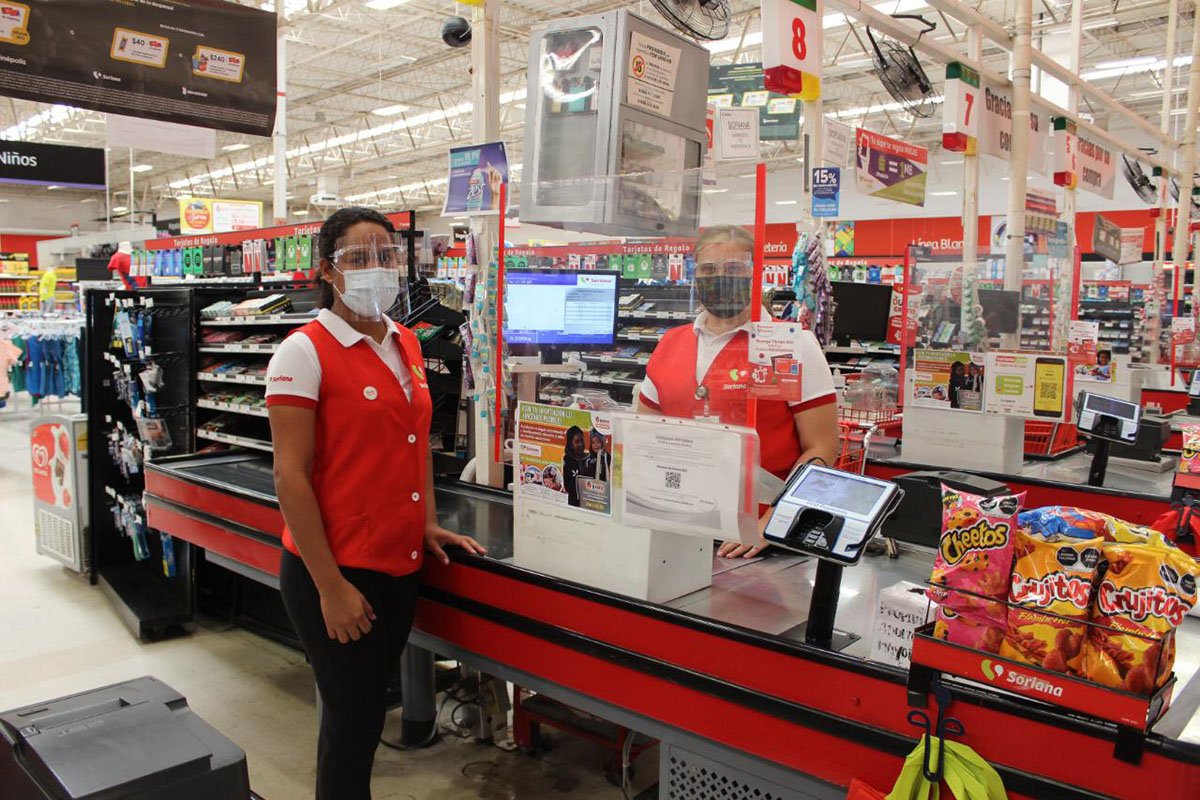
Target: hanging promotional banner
199,215
826,191
838,145
730,85
735,134
792,45
1106,239
160,137
1132,241
475,175
1097,167
995,129
1066,153
890,169
194,62
960,120
1183,330
51,165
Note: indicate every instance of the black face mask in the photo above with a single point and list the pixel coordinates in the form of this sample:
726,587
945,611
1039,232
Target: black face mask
724,296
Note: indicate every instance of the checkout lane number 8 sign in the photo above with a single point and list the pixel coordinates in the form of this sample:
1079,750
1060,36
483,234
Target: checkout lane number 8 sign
791,61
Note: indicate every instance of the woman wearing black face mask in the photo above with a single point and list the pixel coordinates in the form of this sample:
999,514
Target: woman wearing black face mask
701,369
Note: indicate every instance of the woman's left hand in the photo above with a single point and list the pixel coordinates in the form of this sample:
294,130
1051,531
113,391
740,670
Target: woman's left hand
438,538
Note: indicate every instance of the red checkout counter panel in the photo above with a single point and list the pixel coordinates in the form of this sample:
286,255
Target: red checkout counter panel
722,677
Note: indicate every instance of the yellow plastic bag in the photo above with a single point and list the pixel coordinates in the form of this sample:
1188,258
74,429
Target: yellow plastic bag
966,774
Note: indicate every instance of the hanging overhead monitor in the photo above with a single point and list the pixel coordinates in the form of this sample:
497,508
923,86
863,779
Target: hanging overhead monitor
197,62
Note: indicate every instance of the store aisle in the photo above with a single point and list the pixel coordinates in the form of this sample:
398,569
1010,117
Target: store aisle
60,636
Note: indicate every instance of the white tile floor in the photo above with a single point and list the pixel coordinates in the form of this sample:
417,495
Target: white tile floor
58,635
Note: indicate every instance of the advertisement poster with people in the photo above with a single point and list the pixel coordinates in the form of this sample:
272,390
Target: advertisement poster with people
948,379
564,456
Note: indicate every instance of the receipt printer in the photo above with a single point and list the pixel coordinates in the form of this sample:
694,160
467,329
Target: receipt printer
136,739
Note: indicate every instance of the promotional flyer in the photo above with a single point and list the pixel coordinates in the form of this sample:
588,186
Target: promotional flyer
826,191
891,169
1027,385
729,85
948,379
198,63
775,369
564,456
475,175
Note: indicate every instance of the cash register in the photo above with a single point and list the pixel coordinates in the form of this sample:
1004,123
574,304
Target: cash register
132,739
830,515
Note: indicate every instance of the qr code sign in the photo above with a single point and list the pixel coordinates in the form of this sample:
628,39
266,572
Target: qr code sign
674,480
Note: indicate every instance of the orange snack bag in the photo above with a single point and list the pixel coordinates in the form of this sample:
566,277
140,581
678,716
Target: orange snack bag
1146,592
1053,575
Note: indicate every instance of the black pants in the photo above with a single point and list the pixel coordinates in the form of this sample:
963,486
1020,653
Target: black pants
353,677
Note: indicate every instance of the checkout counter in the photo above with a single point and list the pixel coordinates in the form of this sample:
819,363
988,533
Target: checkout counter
721,676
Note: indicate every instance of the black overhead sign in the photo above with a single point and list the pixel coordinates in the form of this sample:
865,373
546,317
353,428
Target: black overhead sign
196,62
51,164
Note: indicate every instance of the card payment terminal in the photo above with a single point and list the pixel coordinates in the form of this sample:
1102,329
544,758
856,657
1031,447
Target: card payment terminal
831,514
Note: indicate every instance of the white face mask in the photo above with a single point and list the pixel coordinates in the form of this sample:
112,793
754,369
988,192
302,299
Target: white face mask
370,292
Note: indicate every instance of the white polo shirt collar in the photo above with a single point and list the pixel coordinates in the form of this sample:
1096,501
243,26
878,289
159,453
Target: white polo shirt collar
345,334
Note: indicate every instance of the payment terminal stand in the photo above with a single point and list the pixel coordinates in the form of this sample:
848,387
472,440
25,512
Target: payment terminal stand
1106,420
830,515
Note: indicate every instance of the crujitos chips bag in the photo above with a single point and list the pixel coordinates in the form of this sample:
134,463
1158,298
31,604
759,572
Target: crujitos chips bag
1142,598
974,555
1051,574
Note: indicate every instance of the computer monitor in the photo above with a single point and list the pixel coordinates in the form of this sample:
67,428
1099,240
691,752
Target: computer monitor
1001,310
862,311
559,309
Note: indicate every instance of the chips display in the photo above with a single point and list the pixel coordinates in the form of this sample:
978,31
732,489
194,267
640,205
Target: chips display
1189,461
1053,575
1142,598
1078,523
973,563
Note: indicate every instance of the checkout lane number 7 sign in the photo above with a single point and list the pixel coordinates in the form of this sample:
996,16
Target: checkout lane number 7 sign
960,123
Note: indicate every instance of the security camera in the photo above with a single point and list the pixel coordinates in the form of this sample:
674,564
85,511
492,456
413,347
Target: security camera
456,32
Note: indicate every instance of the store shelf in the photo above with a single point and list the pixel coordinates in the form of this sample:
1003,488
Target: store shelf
261,319
607,359
603,380
635,314
199,280
229,438
253,380
639,337
261,348
236,408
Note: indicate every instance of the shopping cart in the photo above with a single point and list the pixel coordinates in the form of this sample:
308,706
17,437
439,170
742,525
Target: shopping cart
1050,439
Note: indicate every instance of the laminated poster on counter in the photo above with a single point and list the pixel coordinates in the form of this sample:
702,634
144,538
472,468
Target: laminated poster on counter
952,379
564,456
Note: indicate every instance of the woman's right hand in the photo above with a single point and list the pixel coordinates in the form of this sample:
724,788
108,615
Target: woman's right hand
347,613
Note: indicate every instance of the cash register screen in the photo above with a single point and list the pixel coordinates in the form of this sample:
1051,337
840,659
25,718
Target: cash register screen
1107,405
839,490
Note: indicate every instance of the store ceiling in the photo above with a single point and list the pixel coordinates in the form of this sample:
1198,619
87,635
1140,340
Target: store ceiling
347,60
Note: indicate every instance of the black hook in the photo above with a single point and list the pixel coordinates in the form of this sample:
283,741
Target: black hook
952,726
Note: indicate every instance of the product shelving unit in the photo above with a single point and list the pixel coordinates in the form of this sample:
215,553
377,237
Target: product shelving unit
20,292
147,599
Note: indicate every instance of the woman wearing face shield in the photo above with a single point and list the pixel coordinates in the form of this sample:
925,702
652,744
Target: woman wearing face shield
698,370
349,409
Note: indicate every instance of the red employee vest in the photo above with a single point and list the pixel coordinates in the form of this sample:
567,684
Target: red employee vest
672,369
370,455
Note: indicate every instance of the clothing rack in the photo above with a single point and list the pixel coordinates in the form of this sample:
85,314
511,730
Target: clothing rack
30,324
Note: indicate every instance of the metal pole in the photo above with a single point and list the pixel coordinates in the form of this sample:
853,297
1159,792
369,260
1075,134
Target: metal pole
485,96
1019,165
107,194
1070,197
279,204
1158,290
1183,215
970,214
131,205
418,717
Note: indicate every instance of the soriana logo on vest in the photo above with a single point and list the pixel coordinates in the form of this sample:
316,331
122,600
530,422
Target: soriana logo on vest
50,453
419,373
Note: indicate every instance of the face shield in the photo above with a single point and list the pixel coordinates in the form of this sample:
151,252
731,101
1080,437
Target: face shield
723,287
373,271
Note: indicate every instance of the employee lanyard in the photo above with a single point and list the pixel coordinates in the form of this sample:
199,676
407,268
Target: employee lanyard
702,395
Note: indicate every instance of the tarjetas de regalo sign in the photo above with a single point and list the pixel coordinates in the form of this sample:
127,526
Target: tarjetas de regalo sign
890,169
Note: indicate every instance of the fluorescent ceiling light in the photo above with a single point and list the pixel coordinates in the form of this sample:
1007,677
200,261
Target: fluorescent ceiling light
52,188
384,5
864,110
462,109
4,200
952,163
786,202
141,168
715,191
1158,92
231,148
729,45
1127,62
119,209
390,111
1145,66
84,200
942,194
